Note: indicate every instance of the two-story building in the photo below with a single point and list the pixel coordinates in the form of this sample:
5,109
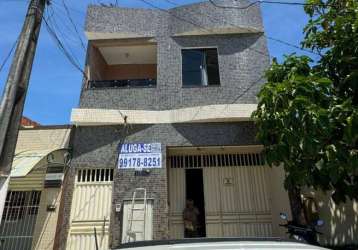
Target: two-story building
165,112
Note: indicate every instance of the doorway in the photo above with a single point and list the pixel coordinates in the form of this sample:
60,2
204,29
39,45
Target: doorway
195,192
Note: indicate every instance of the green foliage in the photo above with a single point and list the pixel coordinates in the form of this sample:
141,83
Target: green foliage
333,29
307,117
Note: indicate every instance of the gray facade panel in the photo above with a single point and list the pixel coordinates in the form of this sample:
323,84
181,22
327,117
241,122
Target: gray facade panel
201,16
242,62
205,16
242,58
98,147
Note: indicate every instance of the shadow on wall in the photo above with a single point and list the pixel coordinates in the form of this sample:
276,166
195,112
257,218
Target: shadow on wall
341,221
99,141
240,42
216,134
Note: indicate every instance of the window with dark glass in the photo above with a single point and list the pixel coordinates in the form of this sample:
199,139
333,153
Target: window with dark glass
200,67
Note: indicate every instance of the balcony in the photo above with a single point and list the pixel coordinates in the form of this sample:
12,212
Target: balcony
94,84
122,64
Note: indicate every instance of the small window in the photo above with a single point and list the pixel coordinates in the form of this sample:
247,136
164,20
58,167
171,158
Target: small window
200,67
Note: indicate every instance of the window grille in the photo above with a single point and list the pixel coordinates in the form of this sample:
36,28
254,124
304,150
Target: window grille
86,175
216,160
19,219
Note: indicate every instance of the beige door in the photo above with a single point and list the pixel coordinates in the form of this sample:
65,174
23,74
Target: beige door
236,193
237,201
176,202
90,210
142,221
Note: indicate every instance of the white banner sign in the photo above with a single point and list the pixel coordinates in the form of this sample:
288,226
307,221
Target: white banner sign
140,155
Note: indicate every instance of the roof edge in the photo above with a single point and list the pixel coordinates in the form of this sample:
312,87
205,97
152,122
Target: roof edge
44,127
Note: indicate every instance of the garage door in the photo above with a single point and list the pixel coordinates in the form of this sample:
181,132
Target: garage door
236,193
90,210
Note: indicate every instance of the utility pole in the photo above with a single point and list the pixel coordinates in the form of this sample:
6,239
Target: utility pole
13,99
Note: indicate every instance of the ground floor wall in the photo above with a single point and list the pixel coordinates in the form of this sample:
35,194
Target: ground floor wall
98,147
236,193
45,228
63,224
340,220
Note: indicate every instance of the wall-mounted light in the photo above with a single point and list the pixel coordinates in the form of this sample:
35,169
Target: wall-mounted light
50,158
51,207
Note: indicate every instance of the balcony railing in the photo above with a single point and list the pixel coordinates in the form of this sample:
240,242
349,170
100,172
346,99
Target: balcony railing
96,84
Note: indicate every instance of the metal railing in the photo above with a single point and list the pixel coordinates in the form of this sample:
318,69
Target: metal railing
95,84
19,219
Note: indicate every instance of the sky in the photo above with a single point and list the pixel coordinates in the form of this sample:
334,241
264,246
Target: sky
55,84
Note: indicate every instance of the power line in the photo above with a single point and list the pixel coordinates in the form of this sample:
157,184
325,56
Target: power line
265,2
251,85
248,88
268,37
70,28
51,20
173,15
69,7
234,7
62,48
9,54
73,24
171,2
192,23
70,58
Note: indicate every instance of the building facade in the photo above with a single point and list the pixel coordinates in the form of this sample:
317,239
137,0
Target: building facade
163,119
182,82
32,206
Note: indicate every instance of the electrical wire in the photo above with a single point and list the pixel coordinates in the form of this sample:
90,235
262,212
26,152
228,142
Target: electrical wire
265,2
69,27
251,85
68,55
268,37
73,24
192,23
67,40
69,7
62,48
9,54
239,96
173,15
171,2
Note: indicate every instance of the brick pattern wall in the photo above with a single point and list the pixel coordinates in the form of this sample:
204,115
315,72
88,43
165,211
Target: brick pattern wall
242,57
63,224
98,147
242,61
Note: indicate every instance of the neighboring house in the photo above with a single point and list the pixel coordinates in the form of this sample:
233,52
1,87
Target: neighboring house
34,193
28,123
165,112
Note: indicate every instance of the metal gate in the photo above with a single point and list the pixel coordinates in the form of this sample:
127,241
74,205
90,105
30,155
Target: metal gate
19,219
236,193
91,208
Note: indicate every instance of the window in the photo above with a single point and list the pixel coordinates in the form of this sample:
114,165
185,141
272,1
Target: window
95,175
19,219
200,67
20,203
